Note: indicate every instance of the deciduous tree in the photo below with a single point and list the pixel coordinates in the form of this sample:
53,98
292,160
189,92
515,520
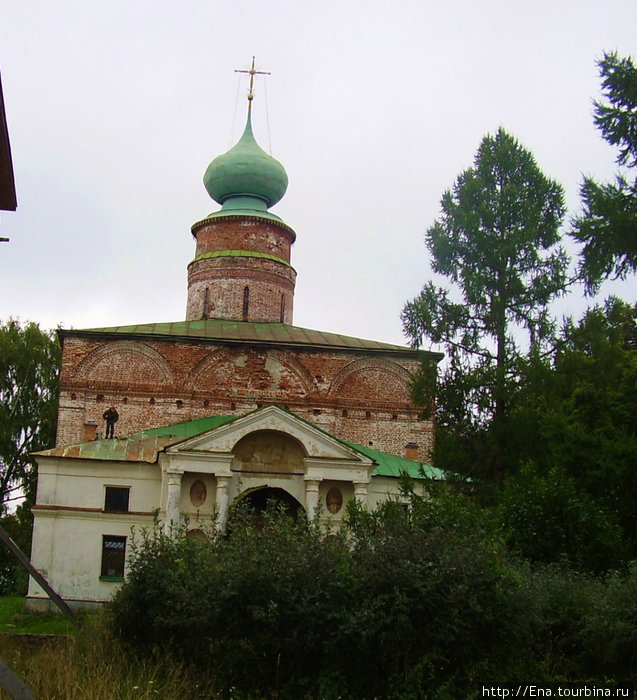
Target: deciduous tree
29,367
579,408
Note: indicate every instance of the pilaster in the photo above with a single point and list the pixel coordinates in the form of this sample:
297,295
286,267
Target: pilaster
311,496
361,492
222,502
173,500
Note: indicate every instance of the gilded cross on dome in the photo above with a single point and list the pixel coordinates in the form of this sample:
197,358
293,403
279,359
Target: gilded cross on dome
252,73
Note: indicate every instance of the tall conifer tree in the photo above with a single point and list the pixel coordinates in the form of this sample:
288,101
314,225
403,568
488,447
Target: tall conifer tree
607,227
497,242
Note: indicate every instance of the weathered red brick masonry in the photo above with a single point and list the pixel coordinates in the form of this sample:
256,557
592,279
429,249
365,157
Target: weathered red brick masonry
237,349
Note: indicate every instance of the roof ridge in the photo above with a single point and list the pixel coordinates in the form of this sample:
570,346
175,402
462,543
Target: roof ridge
232,331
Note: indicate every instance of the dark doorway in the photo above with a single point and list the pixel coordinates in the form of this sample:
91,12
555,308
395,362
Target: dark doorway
261,499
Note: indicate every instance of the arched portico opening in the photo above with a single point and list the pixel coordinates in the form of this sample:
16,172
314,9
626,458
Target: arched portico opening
260,499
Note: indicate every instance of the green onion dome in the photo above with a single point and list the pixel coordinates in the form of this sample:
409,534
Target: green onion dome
246,171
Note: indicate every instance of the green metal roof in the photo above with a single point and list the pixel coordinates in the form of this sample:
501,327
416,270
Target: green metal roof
393,465
145,446
230,331
246,175
240,254
189,428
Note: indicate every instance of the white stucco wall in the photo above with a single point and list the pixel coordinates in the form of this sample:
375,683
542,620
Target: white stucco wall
70,520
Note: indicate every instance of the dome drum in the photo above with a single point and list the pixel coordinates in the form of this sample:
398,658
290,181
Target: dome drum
239,233
248,267
246,289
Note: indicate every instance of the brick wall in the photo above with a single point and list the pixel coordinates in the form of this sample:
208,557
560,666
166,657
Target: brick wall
243,233
216,289
358,396
217,285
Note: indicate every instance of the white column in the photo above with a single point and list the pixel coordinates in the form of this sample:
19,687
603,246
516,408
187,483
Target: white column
360,492
311,497
173,501
222,501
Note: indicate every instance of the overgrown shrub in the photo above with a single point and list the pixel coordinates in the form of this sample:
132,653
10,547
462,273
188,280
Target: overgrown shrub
422,601
610,630
432,580
257,608
548,518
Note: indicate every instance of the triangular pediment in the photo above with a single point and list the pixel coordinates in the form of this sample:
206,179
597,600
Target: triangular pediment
315,442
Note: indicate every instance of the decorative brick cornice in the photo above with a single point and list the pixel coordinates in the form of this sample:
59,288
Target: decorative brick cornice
239,254
233,217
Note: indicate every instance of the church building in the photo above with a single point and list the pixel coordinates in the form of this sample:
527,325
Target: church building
235,402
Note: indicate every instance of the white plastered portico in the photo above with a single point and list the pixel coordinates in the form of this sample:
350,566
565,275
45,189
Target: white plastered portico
187,475
270,461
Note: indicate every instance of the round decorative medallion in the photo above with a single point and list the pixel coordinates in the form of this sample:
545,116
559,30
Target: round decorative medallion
198,493
334,500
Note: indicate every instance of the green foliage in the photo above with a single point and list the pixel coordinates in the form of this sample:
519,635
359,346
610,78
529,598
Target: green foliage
549,519
430,581
579,409
606,228
583,627
567,626
611,629
258,607
597,375
497,242
14,579
416,600
29,369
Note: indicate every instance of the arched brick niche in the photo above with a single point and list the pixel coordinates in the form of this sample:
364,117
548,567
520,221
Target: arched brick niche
125,362
372,380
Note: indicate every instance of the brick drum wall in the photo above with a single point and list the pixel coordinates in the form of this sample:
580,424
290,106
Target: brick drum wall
216,284
358,396
243,233
225,280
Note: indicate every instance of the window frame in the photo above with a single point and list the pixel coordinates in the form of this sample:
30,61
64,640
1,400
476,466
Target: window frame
246,302
112,488
117,567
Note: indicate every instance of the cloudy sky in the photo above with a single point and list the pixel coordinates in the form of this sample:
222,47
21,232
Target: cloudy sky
115,108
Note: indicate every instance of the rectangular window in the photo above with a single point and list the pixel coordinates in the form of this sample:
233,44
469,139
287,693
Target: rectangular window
116,499
113,556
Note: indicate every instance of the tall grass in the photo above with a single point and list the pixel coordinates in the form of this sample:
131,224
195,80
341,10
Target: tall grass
94,666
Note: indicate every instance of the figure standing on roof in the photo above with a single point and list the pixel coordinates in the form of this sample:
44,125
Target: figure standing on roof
111,416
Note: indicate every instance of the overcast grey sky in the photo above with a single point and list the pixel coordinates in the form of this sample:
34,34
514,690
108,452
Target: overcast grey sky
116,108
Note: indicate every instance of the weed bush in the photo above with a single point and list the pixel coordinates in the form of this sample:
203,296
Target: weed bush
548,518
256,608
422,602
